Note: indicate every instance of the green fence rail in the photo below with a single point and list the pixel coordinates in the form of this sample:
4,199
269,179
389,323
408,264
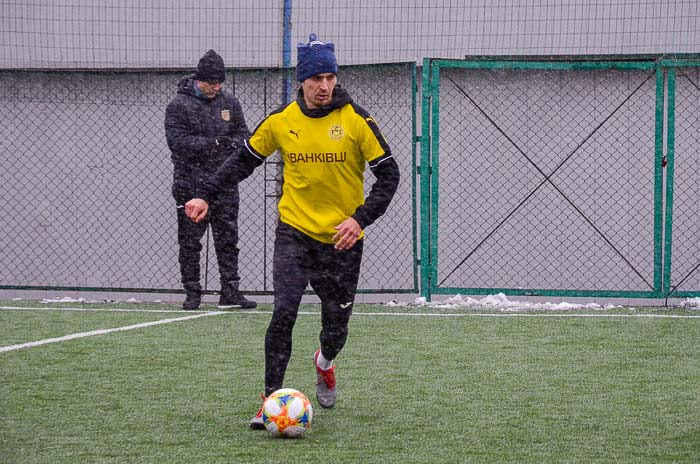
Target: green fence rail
682,215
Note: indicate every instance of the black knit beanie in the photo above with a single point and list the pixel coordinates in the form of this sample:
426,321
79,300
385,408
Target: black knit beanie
211,68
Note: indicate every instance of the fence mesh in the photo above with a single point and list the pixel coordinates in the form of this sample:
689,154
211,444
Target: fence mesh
250,33
559,167
89,172
545,177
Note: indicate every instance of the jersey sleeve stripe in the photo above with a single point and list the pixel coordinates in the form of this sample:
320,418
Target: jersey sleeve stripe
372,125
253,152
377,161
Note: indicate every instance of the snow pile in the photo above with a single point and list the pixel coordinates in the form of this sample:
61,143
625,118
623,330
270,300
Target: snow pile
498,301
693,303
67,299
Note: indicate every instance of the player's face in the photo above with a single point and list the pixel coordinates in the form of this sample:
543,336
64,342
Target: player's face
318,89
210,89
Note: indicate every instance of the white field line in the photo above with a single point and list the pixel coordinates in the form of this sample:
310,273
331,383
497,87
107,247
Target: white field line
542,314
359,313
307,313
87,308
399,314
103,331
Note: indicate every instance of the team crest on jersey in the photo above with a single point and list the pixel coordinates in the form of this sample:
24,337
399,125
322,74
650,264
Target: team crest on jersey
336,132
226,115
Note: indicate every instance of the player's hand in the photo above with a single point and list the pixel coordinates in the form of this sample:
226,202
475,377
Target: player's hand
348,233
196,209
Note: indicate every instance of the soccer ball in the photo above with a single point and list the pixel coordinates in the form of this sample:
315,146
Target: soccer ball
287,413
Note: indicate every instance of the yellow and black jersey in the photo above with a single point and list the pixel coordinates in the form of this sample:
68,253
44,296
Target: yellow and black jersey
325,152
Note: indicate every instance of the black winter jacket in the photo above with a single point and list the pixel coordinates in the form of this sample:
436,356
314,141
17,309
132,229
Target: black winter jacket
192,125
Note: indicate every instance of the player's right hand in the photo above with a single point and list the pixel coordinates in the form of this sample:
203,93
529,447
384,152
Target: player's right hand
196,209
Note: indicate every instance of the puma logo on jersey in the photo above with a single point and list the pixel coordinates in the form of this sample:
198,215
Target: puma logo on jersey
295,133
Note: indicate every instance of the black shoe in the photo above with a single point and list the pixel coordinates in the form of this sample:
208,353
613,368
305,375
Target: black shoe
192,301
235,299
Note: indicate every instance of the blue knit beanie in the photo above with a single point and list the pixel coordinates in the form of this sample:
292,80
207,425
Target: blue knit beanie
315,57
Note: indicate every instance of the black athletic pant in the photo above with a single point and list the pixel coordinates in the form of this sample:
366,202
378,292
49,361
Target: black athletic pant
298,261
223,217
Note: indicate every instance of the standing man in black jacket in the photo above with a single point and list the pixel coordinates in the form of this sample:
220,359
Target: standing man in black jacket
203,126
326,140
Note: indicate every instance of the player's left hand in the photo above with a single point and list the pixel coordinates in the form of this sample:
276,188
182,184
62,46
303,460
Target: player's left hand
348,233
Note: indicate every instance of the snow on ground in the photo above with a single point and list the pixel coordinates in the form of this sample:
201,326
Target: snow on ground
498,301
67,299
501,301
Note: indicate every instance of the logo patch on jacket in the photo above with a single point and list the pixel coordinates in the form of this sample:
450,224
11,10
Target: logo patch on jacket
226,115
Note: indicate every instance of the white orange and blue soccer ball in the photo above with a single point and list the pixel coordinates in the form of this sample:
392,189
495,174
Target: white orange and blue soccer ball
287,413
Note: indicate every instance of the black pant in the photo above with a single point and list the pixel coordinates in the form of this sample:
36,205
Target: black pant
223,217
298,261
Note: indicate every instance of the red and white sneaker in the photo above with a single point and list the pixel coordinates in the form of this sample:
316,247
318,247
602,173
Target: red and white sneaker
325,384
256,423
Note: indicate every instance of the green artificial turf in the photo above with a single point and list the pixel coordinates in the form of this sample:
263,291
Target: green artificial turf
413,388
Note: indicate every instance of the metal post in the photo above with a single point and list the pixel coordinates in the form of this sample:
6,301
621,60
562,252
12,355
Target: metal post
287,51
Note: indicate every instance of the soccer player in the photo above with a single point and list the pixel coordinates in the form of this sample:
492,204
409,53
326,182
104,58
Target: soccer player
326,140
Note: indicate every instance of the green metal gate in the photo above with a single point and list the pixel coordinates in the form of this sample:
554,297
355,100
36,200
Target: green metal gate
547,177
682,214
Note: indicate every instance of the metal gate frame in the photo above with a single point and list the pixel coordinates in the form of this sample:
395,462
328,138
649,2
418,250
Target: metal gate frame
664,70
669,67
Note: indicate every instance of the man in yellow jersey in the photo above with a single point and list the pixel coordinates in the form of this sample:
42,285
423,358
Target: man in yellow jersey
326,140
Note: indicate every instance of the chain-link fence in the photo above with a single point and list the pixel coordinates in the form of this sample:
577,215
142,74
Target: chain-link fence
551,178
87,175
547,179
99,34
